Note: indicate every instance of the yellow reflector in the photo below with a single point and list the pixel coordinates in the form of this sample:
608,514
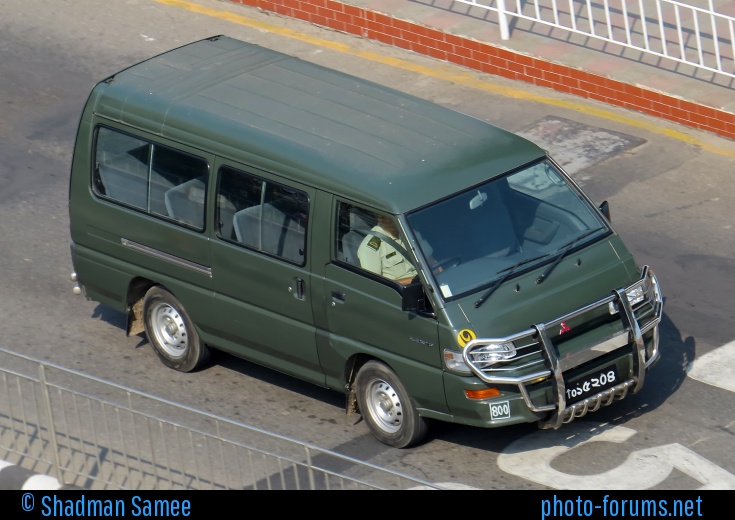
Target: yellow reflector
485,393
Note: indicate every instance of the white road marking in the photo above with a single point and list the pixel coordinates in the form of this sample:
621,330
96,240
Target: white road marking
41,483
35,482
532,457
716,368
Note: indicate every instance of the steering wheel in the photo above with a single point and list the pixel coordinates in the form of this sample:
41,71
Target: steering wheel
447,262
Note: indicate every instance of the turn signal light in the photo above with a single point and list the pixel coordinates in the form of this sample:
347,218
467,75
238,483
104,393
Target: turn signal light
485,393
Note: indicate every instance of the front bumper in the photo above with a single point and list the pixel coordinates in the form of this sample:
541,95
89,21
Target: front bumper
639,308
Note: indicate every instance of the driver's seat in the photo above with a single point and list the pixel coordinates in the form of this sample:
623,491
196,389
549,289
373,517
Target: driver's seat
361,222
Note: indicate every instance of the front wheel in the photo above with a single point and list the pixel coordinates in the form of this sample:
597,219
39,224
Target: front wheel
171,332
387,407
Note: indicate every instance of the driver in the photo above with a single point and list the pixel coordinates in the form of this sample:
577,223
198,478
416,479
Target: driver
378,252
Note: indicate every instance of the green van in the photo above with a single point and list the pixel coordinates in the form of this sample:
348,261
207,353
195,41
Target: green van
426,263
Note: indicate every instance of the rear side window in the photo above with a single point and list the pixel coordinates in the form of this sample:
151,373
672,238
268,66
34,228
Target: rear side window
262,215
150,177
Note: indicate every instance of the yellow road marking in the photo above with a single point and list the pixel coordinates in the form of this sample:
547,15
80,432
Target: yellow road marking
459,78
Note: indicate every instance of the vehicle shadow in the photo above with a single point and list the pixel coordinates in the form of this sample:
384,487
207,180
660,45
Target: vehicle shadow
279,379
109,315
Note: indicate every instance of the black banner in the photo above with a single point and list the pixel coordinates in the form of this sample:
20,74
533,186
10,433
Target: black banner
543,505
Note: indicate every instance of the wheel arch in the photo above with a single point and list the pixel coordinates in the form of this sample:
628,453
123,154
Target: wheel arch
352,367
136,291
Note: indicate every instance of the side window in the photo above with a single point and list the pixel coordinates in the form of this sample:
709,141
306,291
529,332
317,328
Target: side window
353,225
178,186
372,241
262,215
150,177
121,168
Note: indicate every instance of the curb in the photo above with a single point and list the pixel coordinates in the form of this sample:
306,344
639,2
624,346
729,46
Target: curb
14,477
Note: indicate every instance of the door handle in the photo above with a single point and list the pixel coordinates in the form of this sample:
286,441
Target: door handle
338,297
298,289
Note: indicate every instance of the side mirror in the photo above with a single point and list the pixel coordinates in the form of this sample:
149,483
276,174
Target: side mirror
413,298
605,209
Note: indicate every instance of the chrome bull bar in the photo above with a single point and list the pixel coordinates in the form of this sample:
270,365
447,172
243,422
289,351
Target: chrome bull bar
631,336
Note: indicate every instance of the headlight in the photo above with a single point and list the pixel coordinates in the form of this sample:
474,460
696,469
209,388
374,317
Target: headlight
635,296
486,355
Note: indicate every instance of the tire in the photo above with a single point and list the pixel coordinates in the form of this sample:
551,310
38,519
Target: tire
387,408
171,332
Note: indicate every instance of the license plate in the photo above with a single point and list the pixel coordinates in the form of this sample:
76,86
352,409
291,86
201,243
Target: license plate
500,410
591,384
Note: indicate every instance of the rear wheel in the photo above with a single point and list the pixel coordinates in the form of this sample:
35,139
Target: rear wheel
171,332
387,408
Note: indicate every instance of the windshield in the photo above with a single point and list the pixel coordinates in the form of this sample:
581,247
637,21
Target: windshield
486,235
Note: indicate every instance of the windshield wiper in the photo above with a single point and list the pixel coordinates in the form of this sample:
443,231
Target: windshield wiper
508,272
562,252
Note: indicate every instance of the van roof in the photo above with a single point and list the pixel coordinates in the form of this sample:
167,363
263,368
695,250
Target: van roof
313,124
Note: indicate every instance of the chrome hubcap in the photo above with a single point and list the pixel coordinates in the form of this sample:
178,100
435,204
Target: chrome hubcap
169,329
384,406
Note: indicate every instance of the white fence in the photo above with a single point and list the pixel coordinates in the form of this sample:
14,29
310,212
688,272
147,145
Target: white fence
688,33
90,433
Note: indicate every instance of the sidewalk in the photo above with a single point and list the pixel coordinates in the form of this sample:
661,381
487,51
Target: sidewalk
470,36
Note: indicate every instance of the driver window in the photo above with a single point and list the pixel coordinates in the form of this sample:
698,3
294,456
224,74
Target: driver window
353,225
385,252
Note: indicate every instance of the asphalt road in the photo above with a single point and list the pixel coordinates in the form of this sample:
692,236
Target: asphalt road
672,200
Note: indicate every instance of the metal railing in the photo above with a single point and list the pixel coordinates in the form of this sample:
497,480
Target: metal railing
93,434
691,34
